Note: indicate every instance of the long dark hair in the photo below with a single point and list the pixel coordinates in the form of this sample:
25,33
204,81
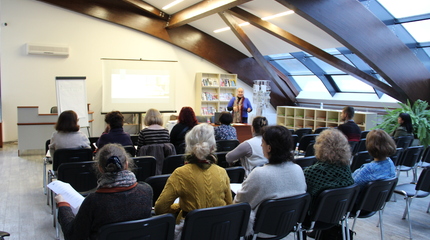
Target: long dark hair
407,122
281,143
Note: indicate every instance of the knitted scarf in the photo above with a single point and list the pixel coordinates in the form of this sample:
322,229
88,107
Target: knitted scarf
237,116
123,178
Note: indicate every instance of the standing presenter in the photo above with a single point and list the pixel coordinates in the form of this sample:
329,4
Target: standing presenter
240,106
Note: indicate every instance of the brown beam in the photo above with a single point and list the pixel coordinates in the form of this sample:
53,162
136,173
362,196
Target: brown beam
312,49
246,41
350,23
149,8
201,10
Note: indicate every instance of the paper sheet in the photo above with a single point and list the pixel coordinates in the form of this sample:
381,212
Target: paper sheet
235,187
69,194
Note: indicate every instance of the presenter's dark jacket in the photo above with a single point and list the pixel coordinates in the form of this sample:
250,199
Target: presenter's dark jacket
115,135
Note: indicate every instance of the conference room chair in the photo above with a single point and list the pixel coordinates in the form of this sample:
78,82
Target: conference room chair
226,145
359,159
161,227
320,129
134,139
364,134
310,150
404,141
236,174
131,150
157,183
225,222
160,151
181,148
279,217
172,162
303,131
3,234
222,162
291,131
372,199
93,142
409,161
46,160
397,156
331,207
425,160
411,190
144,167
359,146
305,162
304,141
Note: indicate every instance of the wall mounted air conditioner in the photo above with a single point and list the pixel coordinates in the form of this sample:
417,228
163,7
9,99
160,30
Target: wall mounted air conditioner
47,49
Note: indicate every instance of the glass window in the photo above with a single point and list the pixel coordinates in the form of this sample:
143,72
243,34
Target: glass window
403,8
329,69
348,83
310,83
280,56
427,50
294,67
419,30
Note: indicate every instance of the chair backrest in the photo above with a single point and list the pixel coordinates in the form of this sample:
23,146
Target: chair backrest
411,156
160,227
423,183
396,157
226,145
225,222
93,140
360,146
66,155
279,217
375,194
310,151
181,148
130,149
160,151
359,159
144,167
303,131
172,162
222,162
364,134
236,174
80,175
134,139
305,161
333,204
305,140
404,141
295,140
426,155
157,183
320,129
47,145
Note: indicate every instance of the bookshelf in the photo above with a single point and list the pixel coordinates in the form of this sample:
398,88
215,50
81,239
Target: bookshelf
213,92
298,117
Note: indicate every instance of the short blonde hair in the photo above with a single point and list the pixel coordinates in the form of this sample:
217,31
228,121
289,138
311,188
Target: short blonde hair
200,141
331,146
153,116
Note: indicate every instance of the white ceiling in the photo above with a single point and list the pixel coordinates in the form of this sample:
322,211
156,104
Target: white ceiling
266,43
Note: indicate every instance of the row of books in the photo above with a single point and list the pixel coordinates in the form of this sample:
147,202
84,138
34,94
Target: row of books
208,110
208,82
228,82
208,96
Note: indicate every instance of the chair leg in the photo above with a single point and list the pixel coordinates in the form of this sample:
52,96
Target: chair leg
57,227
44,176
355,219
408,204
428,208
380,225
409,219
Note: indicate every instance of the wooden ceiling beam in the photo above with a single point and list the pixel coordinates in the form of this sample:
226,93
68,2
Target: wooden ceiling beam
201,10
246,41
148,8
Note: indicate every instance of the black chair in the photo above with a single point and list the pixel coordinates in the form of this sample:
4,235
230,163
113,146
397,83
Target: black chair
359,159
172,162
372,199
130,149
364,134
93,142
291,131
134,139
222,162
411,190
303,131
3,234
279,217
305,140
226,222
359,146
397,156
236,174
310,151
404,141
46,160
226,145
305,161
160,227
144,167
181,148
331,207
157,183
409,161
320,129
425,160
295,141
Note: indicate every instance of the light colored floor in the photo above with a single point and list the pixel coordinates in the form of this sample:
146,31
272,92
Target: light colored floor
25,215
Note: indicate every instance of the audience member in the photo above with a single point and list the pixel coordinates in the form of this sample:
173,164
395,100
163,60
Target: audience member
380,146
115,133
200,183
118,197
225,131
349,128
405,126
250,152
154,132
277,179
240,106
186,121
68,134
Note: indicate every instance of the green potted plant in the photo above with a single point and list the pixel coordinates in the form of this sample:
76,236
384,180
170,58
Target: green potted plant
420,116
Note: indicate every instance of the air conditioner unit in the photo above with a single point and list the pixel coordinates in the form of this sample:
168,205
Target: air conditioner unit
47,49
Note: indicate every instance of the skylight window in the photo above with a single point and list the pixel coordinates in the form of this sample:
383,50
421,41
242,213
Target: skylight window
419,30
402,8
347,83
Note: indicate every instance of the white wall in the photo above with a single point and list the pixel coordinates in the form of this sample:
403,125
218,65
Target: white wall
29,80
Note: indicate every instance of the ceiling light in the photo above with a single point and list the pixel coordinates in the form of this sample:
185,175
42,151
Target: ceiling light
172,4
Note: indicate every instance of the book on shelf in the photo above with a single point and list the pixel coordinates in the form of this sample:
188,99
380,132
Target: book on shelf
225,96
208,96
209,82
208,110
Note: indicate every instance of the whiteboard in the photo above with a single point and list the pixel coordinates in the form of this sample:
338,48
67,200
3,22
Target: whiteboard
72,95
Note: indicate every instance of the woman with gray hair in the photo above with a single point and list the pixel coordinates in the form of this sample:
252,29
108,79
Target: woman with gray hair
118,197
200,183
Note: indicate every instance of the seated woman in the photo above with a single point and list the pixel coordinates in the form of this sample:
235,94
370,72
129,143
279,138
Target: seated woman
225,131
154,132
405,126
277,179
118,197
186,121
332,168
68,134
115,134
250,152
200,183
380,146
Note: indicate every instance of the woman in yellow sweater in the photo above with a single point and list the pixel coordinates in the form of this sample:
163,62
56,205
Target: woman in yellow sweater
200,183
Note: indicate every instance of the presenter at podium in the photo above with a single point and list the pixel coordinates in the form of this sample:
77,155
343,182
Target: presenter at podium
240,106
